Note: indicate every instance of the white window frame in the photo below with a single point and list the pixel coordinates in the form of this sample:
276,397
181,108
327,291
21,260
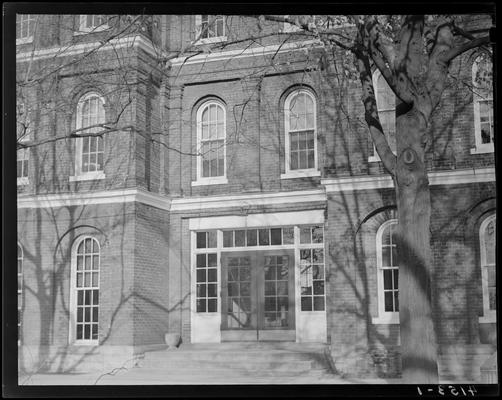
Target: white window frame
79,174
20,291
216,39
30,19
83,29
72,332
480,147
384,317
299,173
489,316
23,180
210,180
375,157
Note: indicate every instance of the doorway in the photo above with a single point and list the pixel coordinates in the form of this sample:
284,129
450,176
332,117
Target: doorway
258,296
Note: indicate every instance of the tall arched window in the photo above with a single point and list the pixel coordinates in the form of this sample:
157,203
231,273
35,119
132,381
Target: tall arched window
387,273
84,301
482,73
487,240
20,260
211,138
90,149
301,134
386,105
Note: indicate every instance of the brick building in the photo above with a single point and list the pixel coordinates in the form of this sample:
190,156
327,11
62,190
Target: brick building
235,195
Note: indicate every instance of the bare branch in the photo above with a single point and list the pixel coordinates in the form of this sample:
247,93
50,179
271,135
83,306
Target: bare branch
456,51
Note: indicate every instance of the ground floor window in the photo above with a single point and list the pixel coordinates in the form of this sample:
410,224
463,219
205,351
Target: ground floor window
487,242
85,282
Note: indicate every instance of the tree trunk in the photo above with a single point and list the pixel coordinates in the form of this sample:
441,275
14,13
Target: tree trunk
418,339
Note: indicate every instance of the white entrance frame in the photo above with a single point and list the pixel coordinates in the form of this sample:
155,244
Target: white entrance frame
206,327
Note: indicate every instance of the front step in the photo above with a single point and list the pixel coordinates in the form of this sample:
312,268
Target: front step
240,359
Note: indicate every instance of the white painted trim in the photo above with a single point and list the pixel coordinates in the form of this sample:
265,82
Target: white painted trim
249,52
85,30
248,200
137,41
384,317
93,198
28,39
488,315
483,149
216,180
301,173
258,220
369,182
22,181
88,176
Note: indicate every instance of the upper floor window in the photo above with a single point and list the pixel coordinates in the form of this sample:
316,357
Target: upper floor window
487,238
23,135
20,260
90,149
211,140
301,135
387,273
84,297
386,105
93,23
25,26
482,73
210,28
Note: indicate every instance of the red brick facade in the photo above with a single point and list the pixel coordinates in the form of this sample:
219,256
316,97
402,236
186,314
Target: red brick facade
149,166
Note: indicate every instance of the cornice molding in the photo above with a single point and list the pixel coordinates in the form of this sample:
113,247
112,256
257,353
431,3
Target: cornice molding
371,182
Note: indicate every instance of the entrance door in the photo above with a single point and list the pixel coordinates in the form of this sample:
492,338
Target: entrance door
258,295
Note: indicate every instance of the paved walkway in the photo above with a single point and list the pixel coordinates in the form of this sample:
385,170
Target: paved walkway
139,376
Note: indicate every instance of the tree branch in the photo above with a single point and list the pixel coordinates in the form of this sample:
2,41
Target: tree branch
456,51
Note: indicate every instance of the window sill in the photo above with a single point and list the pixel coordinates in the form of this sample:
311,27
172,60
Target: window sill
24,40
22,181
303,173
218,180
374,159
386,319
90,176
218,39
86,343
483,149
85,31
490,317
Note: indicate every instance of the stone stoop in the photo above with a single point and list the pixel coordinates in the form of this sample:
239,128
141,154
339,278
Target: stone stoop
463,363
223,362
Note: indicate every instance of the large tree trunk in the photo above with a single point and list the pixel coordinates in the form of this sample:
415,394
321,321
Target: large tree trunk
418,339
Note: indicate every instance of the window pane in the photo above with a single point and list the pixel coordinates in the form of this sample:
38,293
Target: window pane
386,257
212,290
201,305
201,261
228,238
318,287
305,232
95,297
387,279
211,239
212,275
264,237
201,240
307,303
276,236
251,237
212,305
211,260
288,235
389,306
317,234
318,303
240,238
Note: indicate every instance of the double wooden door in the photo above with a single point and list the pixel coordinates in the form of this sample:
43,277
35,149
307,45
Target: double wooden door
258,299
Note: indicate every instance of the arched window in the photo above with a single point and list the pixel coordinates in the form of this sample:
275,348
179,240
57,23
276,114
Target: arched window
387,273
19,291
386,105
90,149
211,138
301,134
84,301
482,73
487,232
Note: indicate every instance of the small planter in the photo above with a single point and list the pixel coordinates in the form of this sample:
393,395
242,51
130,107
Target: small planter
172,340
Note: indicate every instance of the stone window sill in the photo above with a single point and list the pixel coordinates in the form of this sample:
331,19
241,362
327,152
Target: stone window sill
217,180
90,176
483,149
300,174
22,181
490,317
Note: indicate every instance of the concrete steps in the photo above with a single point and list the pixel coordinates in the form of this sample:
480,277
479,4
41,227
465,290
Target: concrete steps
239,360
